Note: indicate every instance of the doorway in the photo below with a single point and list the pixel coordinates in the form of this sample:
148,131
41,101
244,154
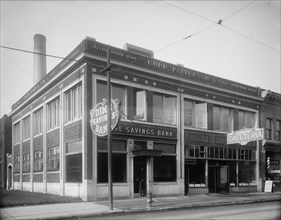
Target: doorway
140,176
218,179
9,178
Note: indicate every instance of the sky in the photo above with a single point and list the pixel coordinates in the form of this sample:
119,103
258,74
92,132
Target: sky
244,47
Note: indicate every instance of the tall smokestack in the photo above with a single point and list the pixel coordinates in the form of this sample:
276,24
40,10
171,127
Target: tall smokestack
39,67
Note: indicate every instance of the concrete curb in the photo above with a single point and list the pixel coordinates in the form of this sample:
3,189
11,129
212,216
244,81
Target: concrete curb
171,208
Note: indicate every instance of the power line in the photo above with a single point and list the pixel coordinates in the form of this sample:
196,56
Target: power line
43,54
189,12
219,23
238,10
252,39
185,38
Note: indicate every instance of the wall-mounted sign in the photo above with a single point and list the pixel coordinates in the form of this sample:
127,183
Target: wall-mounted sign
145,130
99,120
245,135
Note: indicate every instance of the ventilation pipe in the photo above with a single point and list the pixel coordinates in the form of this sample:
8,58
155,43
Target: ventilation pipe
39,67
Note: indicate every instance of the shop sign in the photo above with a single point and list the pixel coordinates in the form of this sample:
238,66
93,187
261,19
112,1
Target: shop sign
245,135
99,120
146,130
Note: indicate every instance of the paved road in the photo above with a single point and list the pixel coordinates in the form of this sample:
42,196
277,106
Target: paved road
256,211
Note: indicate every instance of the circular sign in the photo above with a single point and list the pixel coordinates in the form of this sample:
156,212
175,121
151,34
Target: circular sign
99,120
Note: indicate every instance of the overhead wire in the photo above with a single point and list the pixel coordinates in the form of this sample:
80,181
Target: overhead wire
220,23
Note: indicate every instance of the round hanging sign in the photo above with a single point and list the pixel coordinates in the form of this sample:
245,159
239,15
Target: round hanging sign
99,120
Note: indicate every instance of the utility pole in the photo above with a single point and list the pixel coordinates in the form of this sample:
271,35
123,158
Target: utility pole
109,147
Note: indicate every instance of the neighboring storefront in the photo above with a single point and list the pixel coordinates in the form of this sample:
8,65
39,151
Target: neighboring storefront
172,132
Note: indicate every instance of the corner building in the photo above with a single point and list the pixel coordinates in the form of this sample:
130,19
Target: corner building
173,129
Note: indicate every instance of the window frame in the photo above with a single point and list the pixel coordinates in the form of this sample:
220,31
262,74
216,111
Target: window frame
73,103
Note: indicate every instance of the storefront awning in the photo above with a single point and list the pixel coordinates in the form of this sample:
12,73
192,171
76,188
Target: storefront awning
147,152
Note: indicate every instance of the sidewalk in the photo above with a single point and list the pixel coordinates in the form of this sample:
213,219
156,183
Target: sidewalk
83,209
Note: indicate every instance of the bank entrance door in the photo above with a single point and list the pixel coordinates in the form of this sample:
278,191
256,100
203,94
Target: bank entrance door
218,179
140,175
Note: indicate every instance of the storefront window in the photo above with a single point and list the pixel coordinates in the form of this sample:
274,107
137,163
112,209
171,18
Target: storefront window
164,169
232,173
247,173
165,166
119,161
197,173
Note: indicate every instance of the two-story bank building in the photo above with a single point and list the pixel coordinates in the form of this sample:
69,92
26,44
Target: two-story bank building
173,126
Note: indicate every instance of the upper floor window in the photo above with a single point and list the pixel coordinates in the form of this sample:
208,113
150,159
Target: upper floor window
26,128
53,115
246,119
278,130
16,132
195,114
164,109
222,119
117,92
38,122
140,110
73,103
268,129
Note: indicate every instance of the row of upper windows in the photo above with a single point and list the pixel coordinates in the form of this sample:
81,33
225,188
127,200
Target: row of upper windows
138,104
273,129
73,111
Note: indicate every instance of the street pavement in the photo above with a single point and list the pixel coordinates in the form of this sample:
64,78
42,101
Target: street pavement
136,205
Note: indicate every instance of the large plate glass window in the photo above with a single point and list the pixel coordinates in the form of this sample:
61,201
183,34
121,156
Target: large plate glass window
119,161
165,166
73,157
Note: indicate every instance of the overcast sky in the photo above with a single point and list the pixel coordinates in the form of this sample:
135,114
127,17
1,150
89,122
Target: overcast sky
244,48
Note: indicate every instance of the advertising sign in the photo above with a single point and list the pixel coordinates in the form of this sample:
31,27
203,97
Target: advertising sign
99,120
245,135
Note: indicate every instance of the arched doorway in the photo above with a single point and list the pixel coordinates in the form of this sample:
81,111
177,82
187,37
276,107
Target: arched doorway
9,177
